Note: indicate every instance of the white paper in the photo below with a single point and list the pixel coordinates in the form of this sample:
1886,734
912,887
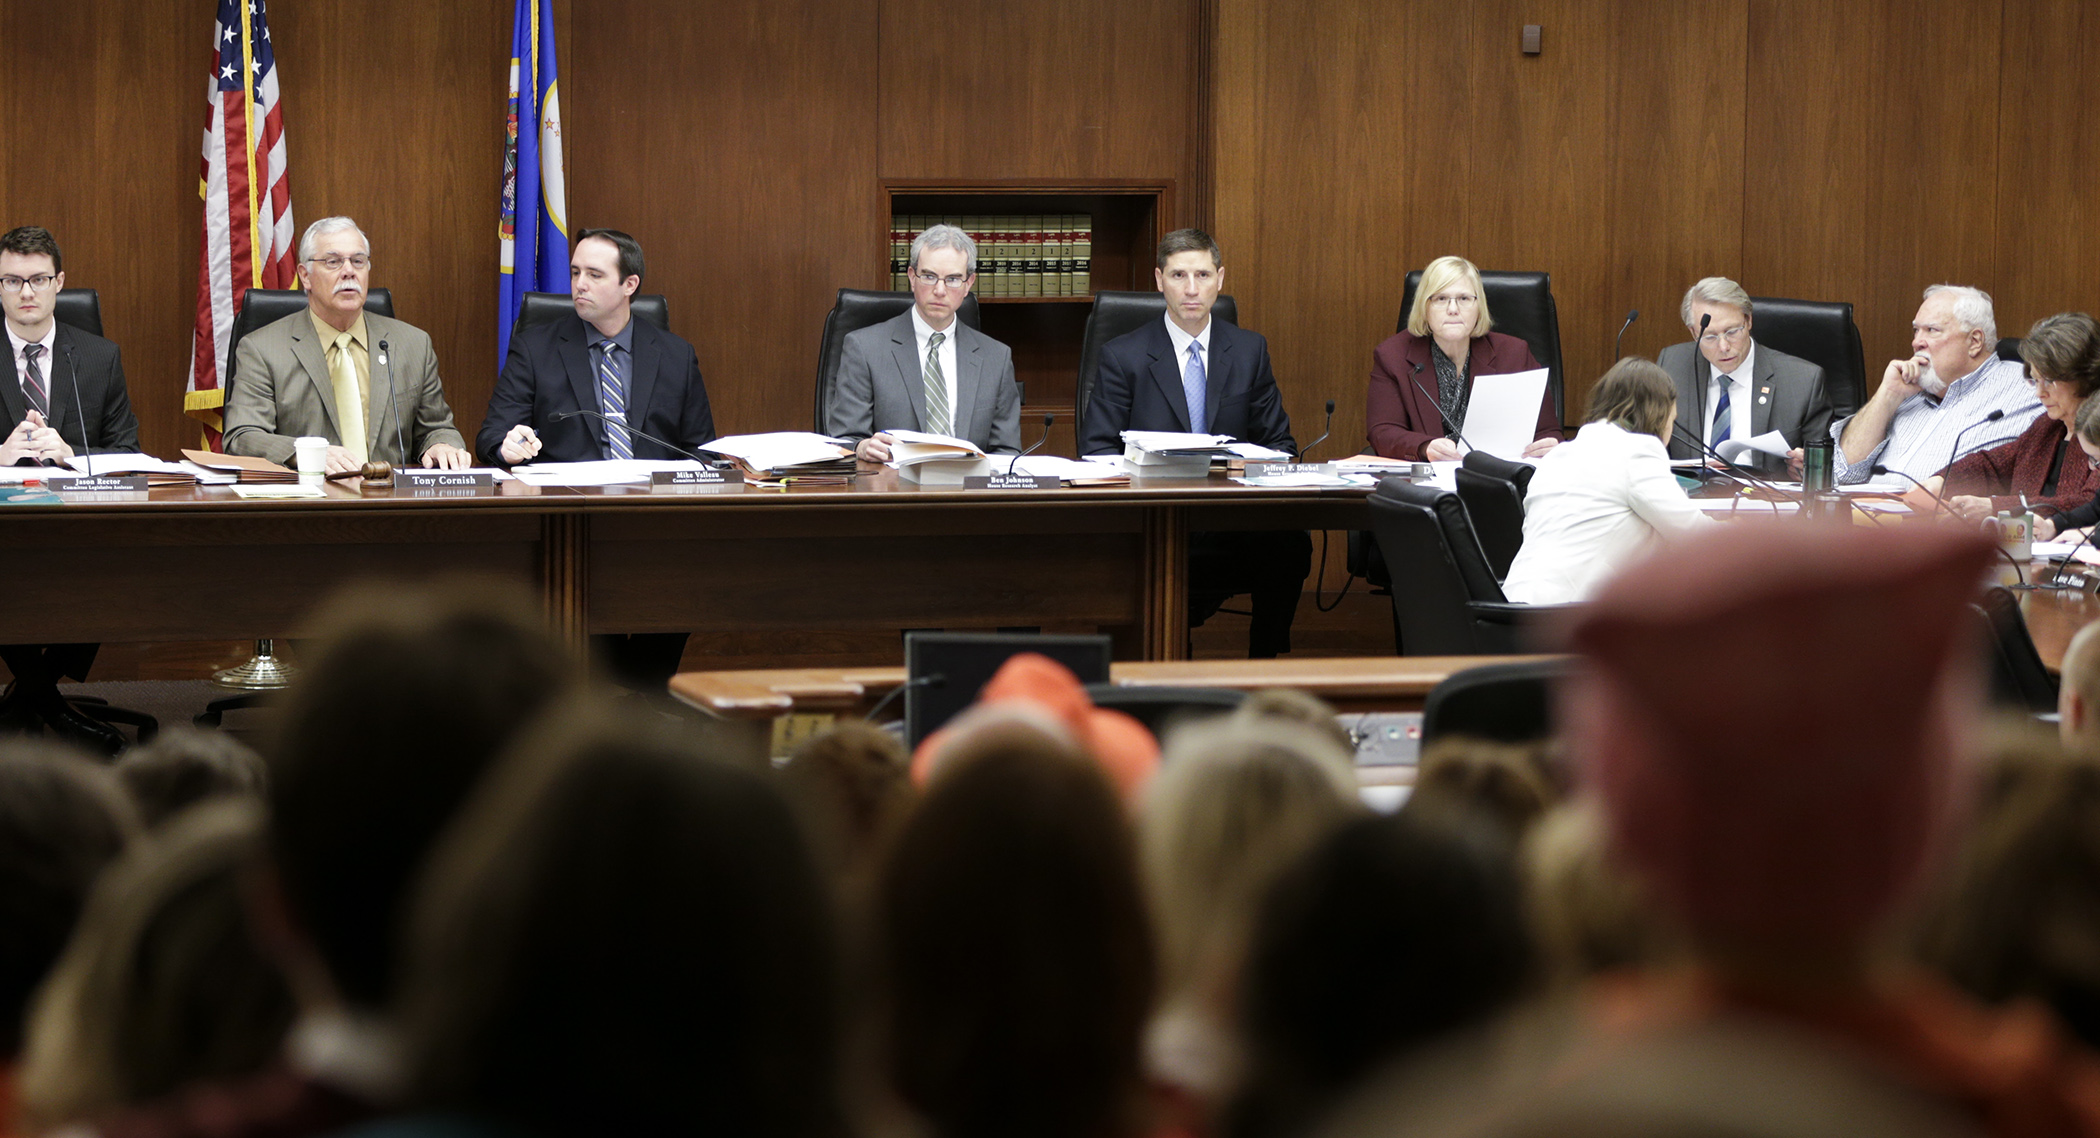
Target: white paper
604,472
1771,442
776,449
123,462
1502,414
1311,479
1173,440
2087,553
1373,463
1886,484
1065,469
918,446
1259,453
278,490
206,476
1745,506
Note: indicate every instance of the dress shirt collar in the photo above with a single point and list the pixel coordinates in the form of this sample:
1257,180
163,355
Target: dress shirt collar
16,343
1182,340
922,331
358,335
624,337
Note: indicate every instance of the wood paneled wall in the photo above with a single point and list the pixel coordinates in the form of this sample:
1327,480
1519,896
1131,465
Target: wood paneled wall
1844,152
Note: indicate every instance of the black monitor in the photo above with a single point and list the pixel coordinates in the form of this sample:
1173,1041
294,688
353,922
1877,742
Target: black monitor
945,670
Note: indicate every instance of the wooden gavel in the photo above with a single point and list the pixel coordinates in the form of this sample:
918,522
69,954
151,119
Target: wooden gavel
370,472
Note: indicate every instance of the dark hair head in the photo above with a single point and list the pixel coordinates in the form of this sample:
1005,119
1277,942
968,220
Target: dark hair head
630,249
183,766
1504,782
2066,348
62,819
1188,241
413,692
1011,946
1636,395
623,935
852,787
30,240
1335,984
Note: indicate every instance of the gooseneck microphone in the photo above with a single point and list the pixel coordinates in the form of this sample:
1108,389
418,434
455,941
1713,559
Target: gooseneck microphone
1702,382
386,360
1631,316
1955,452
1323,434
87,449
1414,375
1048,418
1878,470
712,463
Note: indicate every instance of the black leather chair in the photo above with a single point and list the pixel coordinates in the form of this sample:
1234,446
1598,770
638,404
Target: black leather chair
1821,332
1446,599
2009,349
2019,678
1506,703
857,308
1115,313
1493,491
1521,305
1161,709
81,308
540,307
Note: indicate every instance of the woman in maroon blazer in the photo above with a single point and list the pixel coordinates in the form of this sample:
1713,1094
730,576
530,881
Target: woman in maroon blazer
2041,468
1433,363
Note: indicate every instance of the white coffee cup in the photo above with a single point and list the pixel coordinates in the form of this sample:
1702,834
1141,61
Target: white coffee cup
312,452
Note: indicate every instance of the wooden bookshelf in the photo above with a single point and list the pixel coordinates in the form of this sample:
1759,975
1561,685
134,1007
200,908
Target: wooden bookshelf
1129,218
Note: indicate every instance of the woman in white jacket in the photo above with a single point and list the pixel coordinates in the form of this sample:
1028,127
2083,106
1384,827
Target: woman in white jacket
1599,500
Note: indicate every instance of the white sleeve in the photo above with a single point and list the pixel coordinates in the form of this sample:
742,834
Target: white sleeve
1654,494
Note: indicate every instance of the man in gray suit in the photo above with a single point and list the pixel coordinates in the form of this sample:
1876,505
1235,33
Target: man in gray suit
367,383
926,370
1746,388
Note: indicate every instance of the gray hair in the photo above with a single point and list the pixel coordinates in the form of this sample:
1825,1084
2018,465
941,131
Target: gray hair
945,237
323,228
1713,290
1972,306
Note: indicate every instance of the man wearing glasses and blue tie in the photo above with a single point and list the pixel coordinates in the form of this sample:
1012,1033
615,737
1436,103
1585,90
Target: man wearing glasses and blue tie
925,370
60,374
367,383
1750,389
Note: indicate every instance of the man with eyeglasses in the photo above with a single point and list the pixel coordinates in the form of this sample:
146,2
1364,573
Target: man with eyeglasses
66,394
1942,397
61,374
1749,389
366,383
925,370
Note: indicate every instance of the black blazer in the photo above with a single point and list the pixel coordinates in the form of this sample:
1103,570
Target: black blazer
1139,389
88,367
549,371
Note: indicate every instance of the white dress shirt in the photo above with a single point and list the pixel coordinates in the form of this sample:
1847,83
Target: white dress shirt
1182,340
43,364
922,332
1596,502
1738,382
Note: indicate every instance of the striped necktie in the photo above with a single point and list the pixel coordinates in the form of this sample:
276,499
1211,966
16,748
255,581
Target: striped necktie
939,416
33,382
1724,422
612,376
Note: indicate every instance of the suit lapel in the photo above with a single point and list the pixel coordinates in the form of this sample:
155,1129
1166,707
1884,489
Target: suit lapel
571,343
1166,372
11,396
313,359
969,368
904,342
641,372
383,424
60,381
1221,361
1762,383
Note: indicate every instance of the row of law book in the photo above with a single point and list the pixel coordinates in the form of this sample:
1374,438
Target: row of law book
1018,255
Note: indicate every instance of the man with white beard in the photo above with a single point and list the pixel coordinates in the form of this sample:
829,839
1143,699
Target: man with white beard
1940,398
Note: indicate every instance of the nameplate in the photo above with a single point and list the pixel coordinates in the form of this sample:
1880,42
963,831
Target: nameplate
1272,469
100,484
705,481
1010,482
452,483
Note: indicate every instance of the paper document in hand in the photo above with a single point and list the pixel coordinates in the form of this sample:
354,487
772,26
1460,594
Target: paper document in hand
1771,442
1502,414
918,446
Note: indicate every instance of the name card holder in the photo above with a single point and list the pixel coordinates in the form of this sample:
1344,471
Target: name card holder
1272,469
1010,482
443,484
100,488
708,481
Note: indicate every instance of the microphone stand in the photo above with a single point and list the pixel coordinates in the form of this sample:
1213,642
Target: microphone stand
87,449
1323,434
1048,418
1700,384
386,360
1416,379
1955,451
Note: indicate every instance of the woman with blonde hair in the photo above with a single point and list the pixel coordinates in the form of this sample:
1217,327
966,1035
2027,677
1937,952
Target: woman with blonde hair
1421,379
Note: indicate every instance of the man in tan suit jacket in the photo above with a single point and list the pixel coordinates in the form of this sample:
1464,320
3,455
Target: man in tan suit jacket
289,375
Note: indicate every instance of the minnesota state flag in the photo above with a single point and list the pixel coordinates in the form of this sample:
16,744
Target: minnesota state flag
535,224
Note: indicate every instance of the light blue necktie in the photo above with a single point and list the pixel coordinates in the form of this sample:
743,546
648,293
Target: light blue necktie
1193,384
613,392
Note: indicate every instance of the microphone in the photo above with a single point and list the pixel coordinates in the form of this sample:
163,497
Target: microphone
87,449
1415,378
1048,418
712,463
1700,382
1631,316
1323,434
386,360
2018,574
1956,451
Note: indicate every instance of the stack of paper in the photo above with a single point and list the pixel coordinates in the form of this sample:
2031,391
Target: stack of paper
242,467
158,472
942,460
602,472
1163,448
1101,470
783,457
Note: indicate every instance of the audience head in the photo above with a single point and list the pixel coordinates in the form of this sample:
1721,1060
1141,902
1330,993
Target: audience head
1119,743
852,785
62,819
1450,296
29,253
1777,815
1011,944
163,985
1956,330
1289,705
622,935
1505,783
1637,396
183,766
411,693
335,269
1236,800
2078,696
1189,271
1725,308
1335,984
2019,913
1588,914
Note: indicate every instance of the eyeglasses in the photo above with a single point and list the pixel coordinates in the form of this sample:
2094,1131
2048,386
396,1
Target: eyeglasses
1453,300
1732,335
334,262
954,280
37,283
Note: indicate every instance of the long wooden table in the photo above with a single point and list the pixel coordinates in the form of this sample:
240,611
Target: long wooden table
198,563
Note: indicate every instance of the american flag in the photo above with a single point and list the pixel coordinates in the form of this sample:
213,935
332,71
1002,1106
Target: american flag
248,232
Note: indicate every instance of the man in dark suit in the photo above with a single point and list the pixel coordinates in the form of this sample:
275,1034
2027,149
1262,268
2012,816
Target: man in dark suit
924,370
65,395
595,385
1746,388
1191,373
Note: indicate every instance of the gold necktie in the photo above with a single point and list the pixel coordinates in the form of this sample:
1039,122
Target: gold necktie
349,405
